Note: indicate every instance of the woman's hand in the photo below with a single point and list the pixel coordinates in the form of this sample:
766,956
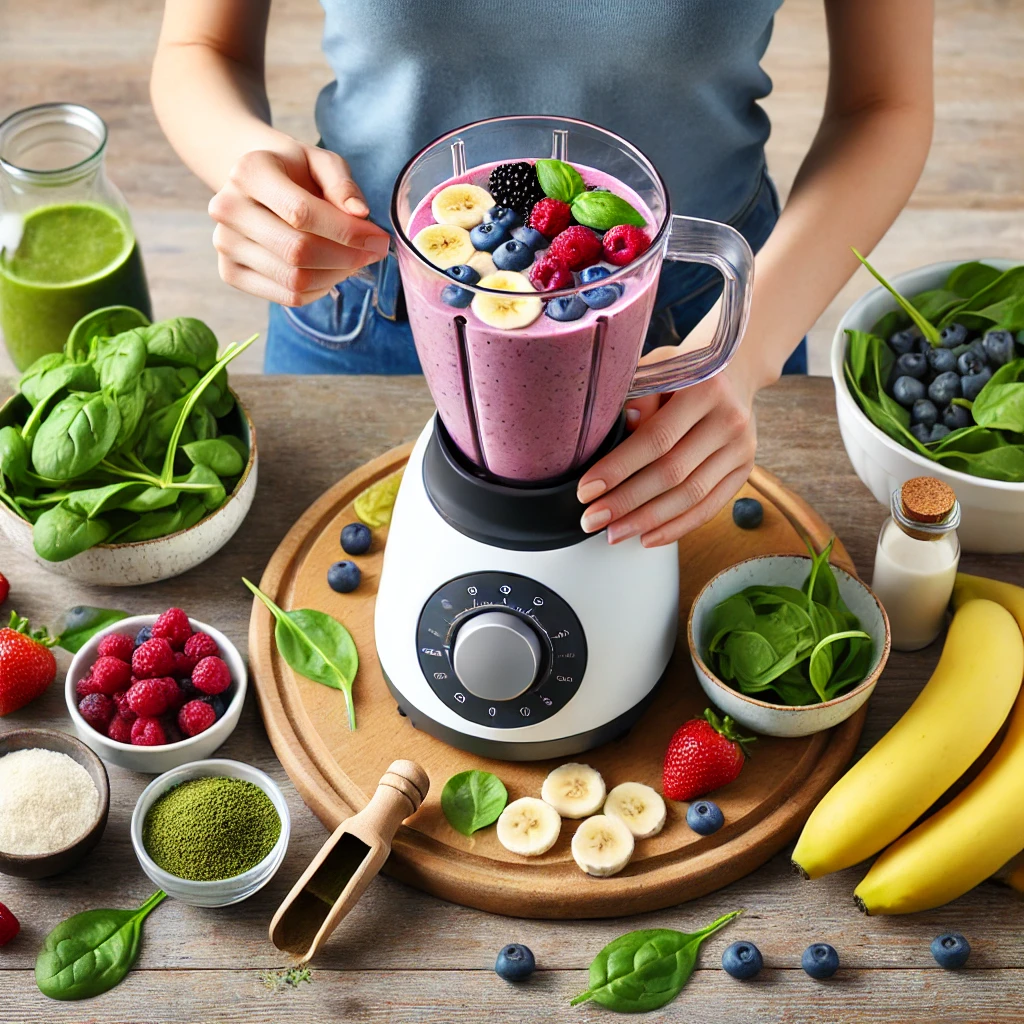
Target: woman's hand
291,224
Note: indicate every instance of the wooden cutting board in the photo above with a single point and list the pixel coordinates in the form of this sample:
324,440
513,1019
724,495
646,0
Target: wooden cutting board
336,771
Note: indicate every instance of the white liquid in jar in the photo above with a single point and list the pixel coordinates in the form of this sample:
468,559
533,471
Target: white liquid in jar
914,581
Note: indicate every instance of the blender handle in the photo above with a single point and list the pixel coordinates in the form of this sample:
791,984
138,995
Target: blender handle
724,248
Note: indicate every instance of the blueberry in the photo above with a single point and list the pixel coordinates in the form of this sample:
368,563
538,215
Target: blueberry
952,336
951,950
921,432
515,962
503,215
704,817
513,255
217,702
971,385
924,412
596,273
343,577
747,513
956,416
604,295
463,273
570,307
944,388
742,960
998,346
969,363
487,237
904,341
143,635
908,390
820,961
938,432
941,360
453,295
913,364
531,237
356,539
190,690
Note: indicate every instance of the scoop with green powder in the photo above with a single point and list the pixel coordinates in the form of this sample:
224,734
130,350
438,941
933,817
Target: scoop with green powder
209,829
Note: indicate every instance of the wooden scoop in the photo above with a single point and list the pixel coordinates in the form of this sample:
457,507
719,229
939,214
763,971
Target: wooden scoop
347,863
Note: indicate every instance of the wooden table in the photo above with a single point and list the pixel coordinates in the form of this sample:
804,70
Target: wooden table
403,956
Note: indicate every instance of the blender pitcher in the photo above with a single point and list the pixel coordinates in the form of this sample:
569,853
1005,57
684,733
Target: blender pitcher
533,404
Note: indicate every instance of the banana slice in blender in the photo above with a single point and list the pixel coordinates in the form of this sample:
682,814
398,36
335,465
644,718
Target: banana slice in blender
602,845
528,826
461,205
574,790
640,808
482,263
506,312
445,245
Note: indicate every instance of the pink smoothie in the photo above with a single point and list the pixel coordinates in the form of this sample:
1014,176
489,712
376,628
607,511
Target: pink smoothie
532,403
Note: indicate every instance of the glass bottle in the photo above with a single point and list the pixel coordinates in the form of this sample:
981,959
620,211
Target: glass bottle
66,241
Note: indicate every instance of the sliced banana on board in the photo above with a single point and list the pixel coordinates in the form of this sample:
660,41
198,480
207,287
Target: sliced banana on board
602,845
461,205
640,808
528,826
574,790
445,245
506,312
482,263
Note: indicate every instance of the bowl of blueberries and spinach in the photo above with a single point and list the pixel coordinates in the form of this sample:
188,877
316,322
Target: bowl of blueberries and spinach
929,378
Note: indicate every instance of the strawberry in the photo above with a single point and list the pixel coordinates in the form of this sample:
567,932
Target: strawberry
5,588
9,926
27,665
704,754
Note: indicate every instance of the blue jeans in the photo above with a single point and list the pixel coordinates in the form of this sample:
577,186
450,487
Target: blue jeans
364,331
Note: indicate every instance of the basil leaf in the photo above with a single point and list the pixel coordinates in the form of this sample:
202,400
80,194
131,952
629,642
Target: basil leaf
603,210
559,180
472,800
81,623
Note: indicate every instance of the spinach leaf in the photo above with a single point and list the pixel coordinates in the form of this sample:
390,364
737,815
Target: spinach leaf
52,374
473,800
131,406
81,623
60,533
94,501
91,952
1000,404
994,300
223,458
182,341
13,455
821,665
927,330
120,361
100,323
75,436
646,969
968,279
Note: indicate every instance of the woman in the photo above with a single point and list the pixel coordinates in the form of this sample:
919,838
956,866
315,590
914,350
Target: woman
679,78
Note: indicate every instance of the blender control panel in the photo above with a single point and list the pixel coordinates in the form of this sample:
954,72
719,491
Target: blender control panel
519,662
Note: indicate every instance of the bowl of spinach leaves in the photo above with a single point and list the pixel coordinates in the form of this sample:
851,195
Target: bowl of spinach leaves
126,458
966,319
788,645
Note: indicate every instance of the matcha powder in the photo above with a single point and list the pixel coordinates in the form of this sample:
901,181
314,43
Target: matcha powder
211,828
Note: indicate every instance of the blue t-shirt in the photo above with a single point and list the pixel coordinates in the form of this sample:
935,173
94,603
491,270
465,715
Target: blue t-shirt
680,79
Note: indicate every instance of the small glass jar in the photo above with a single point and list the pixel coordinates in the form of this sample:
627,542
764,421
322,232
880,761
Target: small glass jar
67,246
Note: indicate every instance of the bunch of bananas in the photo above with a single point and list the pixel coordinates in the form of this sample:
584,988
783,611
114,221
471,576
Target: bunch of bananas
974,691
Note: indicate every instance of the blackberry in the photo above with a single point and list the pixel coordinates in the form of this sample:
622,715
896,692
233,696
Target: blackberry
516,186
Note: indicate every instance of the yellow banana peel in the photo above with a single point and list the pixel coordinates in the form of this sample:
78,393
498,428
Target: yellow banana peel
973,588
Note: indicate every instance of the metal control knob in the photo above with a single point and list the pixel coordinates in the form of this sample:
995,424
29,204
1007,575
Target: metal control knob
497,655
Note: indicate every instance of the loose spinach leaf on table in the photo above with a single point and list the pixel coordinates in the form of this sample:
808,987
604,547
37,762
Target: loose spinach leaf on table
472,800
81,623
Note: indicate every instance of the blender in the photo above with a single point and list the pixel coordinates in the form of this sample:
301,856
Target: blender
501,627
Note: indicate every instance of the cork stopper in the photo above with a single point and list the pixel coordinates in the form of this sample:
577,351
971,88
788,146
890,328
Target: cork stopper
927,500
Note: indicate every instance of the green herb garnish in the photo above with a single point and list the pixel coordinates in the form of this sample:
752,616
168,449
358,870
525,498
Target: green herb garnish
599,209
472,800
291,977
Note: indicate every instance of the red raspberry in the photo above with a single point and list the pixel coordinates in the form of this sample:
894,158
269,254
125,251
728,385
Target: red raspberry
183,665
97,709
117,645
110,674
120,728
174,627
550,216
577,247
549,273
153,658
151,697
623,243
121,702
176,695
195,717
211,675
86,685
148,732
201,645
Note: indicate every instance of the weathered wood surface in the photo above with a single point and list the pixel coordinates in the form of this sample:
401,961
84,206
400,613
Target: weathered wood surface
403,956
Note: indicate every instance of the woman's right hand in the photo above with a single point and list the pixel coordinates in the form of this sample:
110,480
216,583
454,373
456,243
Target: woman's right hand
291,224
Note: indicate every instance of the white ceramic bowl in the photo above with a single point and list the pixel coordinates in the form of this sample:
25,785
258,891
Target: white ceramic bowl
229,890
153,760
992,510
782,719
146,561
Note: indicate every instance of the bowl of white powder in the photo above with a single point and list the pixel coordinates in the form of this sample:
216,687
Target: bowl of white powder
54,799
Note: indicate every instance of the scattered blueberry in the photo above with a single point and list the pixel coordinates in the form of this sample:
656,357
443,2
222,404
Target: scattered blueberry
603,295
503,215
956,417
463,273
998,346
704,817
971,386
924,412
515,962
944,388
356,539
941,360
143,635
742,960
904,341
908,390
913,364
969,363
530,236
596,273
952,336
820,961
513,255
190,690
747,513
487,237
569,307
921,432
216,701
343,577
951,951
939,431
453,295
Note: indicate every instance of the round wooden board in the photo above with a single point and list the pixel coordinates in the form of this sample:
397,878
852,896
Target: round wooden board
336,771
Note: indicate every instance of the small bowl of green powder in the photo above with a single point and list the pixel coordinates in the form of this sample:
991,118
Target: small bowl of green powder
211,833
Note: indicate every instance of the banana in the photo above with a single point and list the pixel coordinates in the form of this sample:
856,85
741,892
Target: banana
482,263
641,808
507,312
602,845
950,723
970,588
528,826
574,790
1015,877
461,205
445,245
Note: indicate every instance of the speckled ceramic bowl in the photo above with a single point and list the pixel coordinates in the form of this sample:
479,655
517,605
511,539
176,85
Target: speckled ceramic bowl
129,565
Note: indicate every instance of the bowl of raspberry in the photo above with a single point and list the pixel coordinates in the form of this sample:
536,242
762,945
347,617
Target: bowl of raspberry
153,692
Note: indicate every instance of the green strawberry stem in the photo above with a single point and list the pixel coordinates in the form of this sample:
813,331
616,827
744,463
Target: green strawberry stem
41,636
727,727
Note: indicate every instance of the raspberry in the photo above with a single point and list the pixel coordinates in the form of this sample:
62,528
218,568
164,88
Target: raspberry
151,697
211,675
120,728
176,696
577,247
550,216
121,702
174,627
201,645
85,686
97,709
148,732
183,665
195,717
549,273
117,645
110,674
154,658
171,731
623,243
